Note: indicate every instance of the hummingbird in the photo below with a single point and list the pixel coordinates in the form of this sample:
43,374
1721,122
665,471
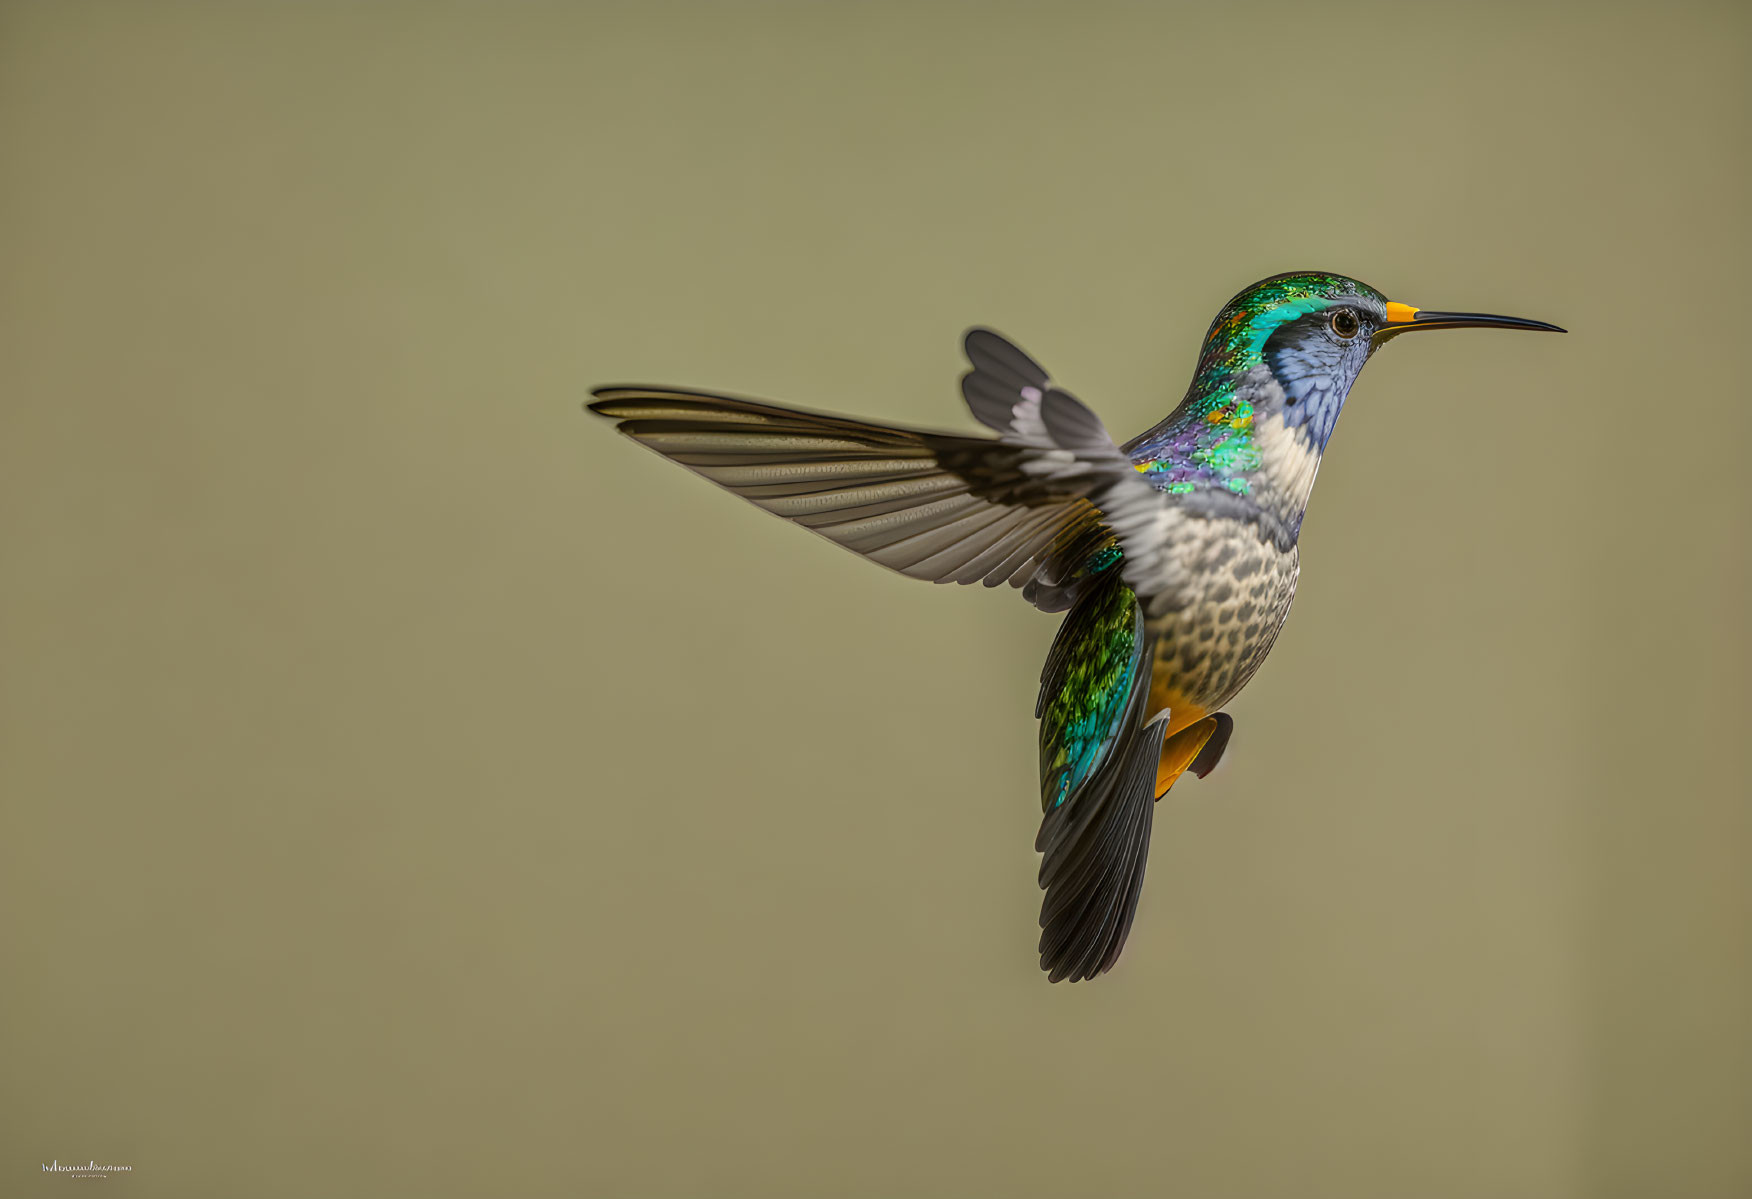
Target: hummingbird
1174,555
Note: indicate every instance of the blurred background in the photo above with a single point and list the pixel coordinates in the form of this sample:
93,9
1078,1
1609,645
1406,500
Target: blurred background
412,788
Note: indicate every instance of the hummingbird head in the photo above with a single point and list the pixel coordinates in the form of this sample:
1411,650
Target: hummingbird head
1313,332
1272,377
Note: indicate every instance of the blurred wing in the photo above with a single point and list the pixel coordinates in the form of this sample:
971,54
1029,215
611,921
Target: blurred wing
1037,508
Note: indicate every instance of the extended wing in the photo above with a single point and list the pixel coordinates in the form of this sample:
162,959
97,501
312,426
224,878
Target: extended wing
1040,508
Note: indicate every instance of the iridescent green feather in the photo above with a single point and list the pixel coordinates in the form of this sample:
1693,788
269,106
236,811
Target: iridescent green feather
1084,688
1210,439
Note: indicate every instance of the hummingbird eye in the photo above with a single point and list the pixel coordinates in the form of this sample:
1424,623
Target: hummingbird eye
1345,324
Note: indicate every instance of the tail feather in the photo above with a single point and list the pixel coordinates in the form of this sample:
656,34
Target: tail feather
1098,762
1090,904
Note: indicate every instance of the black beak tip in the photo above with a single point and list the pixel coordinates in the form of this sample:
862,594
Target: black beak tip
1427,319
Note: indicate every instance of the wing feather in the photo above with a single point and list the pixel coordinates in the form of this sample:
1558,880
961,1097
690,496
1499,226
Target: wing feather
1032,508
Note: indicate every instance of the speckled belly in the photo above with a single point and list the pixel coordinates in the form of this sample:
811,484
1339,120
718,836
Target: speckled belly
1209,647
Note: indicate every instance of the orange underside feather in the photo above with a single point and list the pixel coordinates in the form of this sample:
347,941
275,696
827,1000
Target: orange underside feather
1189,727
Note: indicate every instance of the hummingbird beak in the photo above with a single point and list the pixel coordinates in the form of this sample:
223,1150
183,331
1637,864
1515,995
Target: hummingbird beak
1403,318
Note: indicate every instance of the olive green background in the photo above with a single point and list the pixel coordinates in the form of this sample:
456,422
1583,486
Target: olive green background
410,788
